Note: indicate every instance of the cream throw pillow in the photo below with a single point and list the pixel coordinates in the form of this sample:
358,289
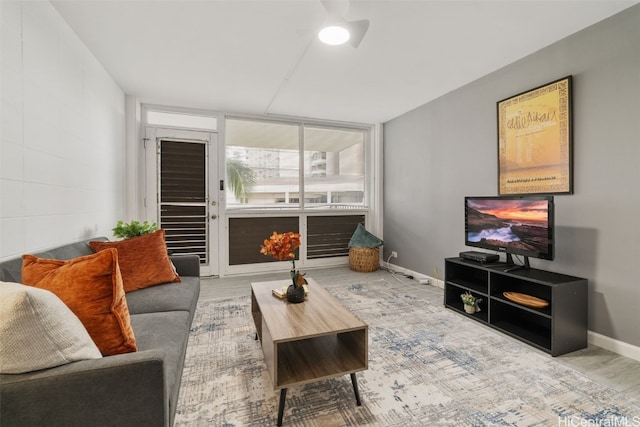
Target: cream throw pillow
38,331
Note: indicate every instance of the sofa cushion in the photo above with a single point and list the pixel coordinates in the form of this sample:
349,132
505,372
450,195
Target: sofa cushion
169,332
143,260
91,286
165,297
69,251
11,270
38,331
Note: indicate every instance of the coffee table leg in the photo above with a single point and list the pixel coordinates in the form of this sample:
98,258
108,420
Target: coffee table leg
283,395
354,381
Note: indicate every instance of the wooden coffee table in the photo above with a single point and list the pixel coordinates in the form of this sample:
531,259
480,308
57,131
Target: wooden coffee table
309,341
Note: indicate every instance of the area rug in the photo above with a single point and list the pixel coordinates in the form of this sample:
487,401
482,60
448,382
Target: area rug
427,366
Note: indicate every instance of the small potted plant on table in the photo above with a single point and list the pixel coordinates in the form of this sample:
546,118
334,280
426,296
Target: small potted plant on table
470,302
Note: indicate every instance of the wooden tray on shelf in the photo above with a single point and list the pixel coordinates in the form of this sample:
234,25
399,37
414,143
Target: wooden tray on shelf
525,299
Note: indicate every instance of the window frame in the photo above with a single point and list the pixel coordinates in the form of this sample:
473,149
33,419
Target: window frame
372,198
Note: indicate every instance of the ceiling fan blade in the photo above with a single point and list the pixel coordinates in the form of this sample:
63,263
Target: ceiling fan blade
357,29
336,9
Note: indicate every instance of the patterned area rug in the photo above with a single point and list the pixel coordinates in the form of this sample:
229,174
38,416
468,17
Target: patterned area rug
427,366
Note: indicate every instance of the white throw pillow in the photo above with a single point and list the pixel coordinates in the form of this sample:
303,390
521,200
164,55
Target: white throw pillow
38,331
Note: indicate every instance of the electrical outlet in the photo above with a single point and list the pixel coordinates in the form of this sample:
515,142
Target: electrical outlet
394,254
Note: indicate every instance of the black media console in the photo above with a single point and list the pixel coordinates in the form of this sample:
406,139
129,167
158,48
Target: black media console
559,328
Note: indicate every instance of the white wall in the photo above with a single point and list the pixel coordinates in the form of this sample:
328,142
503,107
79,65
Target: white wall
62,134
447,149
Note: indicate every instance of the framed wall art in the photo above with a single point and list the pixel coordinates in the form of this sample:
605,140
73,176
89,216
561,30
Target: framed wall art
535,143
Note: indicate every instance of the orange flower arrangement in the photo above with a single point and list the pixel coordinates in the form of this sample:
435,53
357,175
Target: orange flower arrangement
282,247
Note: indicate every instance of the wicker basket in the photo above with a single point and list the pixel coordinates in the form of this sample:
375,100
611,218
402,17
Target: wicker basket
364,259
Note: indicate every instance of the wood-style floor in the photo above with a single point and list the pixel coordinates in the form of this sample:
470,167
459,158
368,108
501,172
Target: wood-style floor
603,366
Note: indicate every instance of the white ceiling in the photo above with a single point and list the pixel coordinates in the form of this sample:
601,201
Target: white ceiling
263,57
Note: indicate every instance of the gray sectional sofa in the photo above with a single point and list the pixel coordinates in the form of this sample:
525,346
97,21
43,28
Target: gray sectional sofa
133,389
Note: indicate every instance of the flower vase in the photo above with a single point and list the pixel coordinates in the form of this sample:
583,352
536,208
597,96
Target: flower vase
295,291
295,294
470,308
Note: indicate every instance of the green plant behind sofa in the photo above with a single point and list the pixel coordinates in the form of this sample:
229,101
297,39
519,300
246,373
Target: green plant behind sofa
133,229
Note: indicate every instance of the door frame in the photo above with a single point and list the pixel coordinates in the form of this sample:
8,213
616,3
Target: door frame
153,134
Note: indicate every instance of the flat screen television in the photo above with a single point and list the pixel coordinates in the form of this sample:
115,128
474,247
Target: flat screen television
519,225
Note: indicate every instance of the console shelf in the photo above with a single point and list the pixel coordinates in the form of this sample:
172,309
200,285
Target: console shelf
559,328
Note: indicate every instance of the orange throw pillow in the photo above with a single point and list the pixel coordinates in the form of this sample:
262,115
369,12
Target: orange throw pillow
91,286
143,260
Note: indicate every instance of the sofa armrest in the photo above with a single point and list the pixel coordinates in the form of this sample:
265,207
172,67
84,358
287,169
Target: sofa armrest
186,265
123,390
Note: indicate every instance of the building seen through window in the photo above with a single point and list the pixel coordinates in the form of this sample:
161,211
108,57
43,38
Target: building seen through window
265,164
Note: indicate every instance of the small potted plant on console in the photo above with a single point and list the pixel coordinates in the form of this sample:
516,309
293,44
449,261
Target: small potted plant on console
470,302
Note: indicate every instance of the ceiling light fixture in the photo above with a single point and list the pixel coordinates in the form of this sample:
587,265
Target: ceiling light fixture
334,35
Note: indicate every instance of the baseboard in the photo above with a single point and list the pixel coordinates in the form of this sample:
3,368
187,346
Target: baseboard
608,343
418,276
619,347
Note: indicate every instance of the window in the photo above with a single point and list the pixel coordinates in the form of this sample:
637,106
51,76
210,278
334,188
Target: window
293,176
334,167
263,162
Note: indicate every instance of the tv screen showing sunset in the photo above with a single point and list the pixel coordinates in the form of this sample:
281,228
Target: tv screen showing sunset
516,224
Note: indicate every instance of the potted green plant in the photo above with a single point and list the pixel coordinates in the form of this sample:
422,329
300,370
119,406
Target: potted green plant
133,229
470,302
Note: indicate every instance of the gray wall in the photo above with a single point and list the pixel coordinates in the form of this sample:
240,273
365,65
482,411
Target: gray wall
446,149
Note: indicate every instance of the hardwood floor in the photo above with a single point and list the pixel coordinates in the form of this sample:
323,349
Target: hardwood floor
603,366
